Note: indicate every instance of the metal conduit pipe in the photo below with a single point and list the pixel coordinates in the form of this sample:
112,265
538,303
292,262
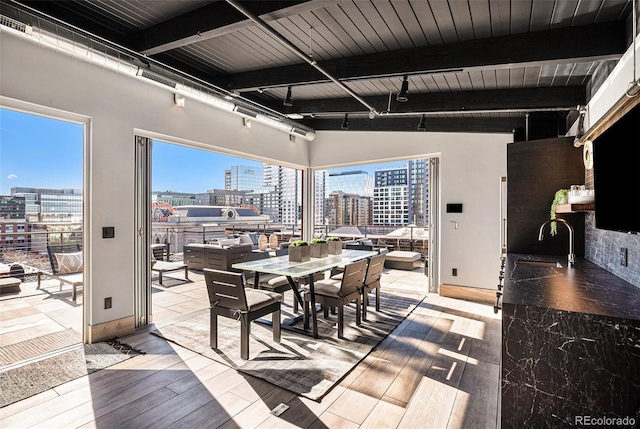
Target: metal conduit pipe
282,40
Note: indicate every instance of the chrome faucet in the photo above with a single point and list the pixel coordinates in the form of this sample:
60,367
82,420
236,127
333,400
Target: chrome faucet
572,256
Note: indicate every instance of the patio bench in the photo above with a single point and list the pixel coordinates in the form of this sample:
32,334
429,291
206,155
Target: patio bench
402,260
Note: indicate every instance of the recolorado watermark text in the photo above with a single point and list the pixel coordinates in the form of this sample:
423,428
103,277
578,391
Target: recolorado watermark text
604,421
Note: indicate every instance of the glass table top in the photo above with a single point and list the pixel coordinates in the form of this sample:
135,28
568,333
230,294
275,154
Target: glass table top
281,265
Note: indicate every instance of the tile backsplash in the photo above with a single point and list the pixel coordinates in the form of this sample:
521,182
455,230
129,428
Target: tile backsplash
603,248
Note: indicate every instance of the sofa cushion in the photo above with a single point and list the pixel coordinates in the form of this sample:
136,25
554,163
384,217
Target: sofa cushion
228,241
69,262
245,239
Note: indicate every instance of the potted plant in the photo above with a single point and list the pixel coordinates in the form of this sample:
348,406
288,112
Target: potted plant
299,251
561,197
335,245
319,248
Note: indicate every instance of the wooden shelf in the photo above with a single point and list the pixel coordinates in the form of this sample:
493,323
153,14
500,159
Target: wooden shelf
574,208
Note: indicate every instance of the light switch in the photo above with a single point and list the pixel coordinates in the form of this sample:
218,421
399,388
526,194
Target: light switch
454,224
108,232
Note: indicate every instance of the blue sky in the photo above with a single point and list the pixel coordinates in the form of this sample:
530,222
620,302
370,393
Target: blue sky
40,152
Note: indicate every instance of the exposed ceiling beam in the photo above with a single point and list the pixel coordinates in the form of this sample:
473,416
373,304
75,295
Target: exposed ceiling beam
563,45
434,124
89,21
211,21
519,99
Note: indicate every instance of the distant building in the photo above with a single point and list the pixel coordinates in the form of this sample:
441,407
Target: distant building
401,194
217,214
15,234
391,197
287,184
243,178
220,197
174,198
349,209
51,205
356,182
12,207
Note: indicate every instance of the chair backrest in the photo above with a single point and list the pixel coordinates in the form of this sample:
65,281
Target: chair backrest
226,289
353,277
52,249
374,269
283,251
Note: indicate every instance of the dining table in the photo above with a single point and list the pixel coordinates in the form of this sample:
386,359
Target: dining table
281,265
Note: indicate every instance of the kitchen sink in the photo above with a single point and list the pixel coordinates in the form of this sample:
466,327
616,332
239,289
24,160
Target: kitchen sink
548,264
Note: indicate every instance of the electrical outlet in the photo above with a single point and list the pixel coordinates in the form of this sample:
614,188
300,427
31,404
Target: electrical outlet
107,303
454,271
623,256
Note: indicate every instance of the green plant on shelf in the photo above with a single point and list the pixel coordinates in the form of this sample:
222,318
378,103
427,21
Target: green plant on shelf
299,243
333,239
318,240
561,197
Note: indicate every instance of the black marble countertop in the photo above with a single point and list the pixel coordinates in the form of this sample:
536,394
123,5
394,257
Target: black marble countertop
584,288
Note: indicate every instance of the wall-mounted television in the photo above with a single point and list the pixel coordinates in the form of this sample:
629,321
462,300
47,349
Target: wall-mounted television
616,174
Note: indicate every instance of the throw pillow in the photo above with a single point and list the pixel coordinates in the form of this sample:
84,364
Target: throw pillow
69,262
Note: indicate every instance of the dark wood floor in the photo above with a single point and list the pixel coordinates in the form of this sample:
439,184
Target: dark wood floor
439,368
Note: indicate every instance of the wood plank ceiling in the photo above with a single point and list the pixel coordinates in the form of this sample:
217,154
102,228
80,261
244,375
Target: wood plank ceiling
471,65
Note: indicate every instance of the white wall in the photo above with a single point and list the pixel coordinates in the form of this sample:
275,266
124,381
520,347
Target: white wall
470,169
115,106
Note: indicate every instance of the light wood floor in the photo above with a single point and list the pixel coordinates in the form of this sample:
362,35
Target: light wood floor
439,368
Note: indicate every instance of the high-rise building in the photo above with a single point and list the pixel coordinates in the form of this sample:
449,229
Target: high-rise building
51,205
320,178
349,209
287,185
356,182
401,194
419,192
391,197
243,178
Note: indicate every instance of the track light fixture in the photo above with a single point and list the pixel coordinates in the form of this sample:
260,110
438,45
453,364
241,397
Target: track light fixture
287,101
404,89
345,122
422,126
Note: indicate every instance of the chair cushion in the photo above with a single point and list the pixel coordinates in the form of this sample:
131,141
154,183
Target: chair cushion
328,287
69,262
257,299
269,280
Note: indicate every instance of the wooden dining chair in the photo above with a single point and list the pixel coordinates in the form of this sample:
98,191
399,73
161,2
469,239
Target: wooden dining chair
228,297
375,265
338,293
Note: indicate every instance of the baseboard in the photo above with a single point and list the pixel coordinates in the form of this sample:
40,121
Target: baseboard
474,294
112,329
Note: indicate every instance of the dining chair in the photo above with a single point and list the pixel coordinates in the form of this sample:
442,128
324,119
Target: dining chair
338,293
375,265
228,297
271,282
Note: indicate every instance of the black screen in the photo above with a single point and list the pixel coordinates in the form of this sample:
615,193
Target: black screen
616,164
